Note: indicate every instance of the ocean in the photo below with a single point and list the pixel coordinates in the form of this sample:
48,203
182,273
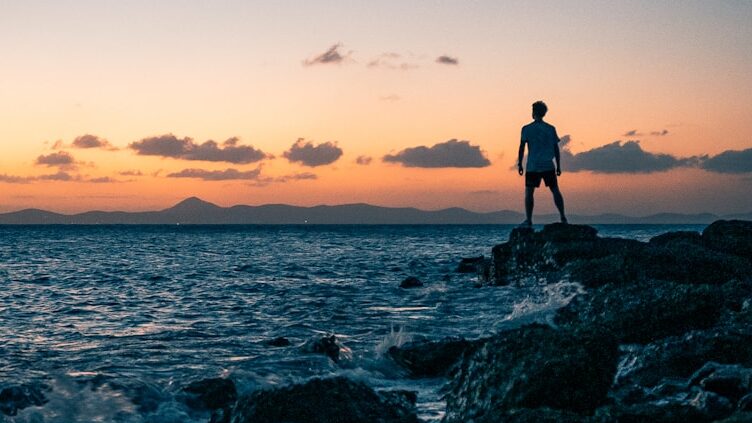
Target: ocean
117,319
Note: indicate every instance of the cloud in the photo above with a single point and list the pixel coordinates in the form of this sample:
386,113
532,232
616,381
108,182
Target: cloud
185,148
391,97
447,60
392,61
60,159
636,133
102,180
311,155
332,55
296,177
483,192
364,160
217,175
130,173
452,153
91,141
730,161
59,176
620,157
12,179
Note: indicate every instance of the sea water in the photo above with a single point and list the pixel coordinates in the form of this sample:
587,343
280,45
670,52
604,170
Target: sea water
117,319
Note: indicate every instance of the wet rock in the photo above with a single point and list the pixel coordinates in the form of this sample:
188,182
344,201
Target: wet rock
740,417
532,367
645,311
728,380
322,401
730,236
411,282
469,264
280,341
696,406
212,393
429,358
676,238
327,345
681,356
400,398
15,398
531,415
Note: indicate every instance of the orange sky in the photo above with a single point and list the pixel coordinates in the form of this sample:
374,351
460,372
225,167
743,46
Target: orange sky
239,70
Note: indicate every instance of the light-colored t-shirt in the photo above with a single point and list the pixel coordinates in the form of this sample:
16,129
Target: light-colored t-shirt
541,141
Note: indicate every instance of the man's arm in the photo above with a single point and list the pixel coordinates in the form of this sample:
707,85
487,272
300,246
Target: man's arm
520,154
557,157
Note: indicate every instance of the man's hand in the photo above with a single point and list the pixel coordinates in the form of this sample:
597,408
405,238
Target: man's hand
558,171
520,170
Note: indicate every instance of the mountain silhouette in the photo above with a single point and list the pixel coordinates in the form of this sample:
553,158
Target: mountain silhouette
194,210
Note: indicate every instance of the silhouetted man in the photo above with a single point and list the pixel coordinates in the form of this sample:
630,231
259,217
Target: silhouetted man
542,148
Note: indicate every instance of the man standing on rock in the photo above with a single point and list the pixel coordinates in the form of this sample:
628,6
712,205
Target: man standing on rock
542,148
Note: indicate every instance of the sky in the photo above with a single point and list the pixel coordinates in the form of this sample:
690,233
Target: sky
135,105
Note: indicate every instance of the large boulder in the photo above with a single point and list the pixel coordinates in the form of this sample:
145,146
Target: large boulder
17,397
532,367
327,345
211,393
333,400
644,311
429,358
730,236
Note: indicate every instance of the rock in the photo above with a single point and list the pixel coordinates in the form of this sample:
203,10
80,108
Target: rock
531,415
741,417
696,406
280,341
730,236
681,356
645,311
429,358
326,345
322,401
400,398
411,282
469,264
212,393
531,367
676,238
728,380
15,398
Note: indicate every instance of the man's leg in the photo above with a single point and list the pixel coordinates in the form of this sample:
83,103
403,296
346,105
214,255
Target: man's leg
559,201
529,203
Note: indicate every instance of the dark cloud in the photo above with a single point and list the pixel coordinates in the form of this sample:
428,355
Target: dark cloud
12,179
59,176
636,133
730,161
452,153
308,154
91,141
217,175
364,160
102,180
296,177
447,60
620,157
394,61
185,148
332,55
60,159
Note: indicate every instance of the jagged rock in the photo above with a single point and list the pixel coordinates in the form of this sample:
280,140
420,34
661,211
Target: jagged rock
728,380
643,312
429,358
740,417
531,415
730,236
676,238
212,393
333,400
469,264
327,345
15,398
531,367
411,282
695,406
280,341
400,398
681,356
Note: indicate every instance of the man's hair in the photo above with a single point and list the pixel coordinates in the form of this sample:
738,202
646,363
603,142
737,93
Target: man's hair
540,108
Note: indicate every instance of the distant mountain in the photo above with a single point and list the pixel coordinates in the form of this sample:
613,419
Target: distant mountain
196,211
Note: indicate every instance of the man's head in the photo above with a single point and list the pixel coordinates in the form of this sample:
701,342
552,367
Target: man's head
539,110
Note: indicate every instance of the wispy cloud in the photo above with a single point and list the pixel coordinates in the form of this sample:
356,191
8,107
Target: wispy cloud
130,173
391,97
331,56
169,145
636,133
308,154
217,175
452,153
447,60
393,61
363,160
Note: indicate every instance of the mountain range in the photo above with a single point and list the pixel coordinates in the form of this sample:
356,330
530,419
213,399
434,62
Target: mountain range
196,211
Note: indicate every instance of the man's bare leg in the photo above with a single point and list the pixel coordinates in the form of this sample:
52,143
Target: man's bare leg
559,201
529,204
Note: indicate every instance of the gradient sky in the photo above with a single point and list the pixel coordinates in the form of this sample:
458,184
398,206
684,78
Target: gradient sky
674,75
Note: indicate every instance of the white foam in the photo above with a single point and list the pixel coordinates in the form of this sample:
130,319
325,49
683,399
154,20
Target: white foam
540,306
392,339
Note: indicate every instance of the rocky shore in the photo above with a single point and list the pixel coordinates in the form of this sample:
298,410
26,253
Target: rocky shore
662,332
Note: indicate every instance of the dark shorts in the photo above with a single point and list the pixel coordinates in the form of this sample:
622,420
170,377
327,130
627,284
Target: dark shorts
533,179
